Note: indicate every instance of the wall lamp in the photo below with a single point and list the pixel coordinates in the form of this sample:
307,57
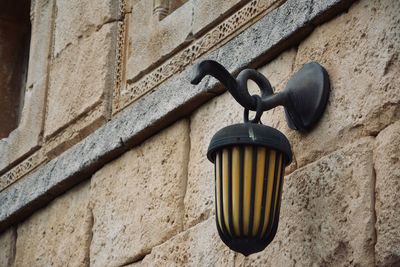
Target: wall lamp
249,158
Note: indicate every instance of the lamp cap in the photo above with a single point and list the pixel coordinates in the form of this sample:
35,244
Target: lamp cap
250,134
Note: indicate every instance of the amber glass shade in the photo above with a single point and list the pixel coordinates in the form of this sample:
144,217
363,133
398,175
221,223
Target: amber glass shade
248,184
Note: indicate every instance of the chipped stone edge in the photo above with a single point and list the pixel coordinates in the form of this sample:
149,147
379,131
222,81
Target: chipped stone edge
261,42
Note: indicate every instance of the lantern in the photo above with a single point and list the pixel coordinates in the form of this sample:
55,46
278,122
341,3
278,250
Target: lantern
250,158
249,162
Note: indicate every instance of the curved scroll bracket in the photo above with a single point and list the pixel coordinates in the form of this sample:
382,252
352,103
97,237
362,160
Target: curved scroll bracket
305,97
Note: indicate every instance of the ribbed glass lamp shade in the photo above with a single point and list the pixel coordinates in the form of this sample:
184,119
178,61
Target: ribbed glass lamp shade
249,162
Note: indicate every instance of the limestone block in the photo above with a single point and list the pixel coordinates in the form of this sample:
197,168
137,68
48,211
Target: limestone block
327,213
76,19
362,59
59,234
387,168
209,12
279,70
7,247
137,200
151,40
81,78
205,122
197,246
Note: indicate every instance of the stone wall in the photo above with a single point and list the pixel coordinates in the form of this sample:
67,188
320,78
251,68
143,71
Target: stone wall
137,188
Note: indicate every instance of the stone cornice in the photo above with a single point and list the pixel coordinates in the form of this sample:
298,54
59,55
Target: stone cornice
172,100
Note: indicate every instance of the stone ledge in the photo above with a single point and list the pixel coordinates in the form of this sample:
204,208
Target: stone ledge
267,38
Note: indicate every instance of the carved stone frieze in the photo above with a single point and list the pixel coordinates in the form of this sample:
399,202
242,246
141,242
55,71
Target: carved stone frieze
120,53
22,169
217,36
56,145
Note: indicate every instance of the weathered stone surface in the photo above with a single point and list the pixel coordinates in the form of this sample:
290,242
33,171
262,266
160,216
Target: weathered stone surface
218,113
76,131
58,235
27,136
387,168
7,247
175,63
76,19
129,128
327,213
362,60
207,13
137,200
155,39
173,5
41,38
153,112
205,122
278,71
81,78
277,31
197,246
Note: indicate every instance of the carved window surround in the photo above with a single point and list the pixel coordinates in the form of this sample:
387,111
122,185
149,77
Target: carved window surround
20,146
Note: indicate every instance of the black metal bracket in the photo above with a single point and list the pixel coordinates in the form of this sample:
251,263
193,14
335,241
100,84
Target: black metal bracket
305,96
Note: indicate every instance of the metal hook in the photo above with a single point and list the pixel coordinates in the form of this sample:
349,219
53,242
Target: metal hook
304,98
259,111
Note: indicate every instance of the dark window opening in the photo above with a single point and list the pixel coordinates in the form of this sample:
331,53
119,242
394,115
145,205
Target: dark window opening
15,34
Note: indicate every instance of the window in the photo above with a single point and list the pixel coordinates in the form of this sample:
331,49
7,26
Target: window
15,31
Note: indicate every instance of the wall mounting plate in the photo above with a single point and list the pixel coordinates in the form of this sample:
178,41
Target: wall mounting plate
308,92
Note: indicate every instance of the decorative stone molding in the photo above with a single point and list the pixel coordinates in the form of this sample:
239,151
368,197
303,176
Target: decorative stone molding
217,36
22,169
120,54
55,145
